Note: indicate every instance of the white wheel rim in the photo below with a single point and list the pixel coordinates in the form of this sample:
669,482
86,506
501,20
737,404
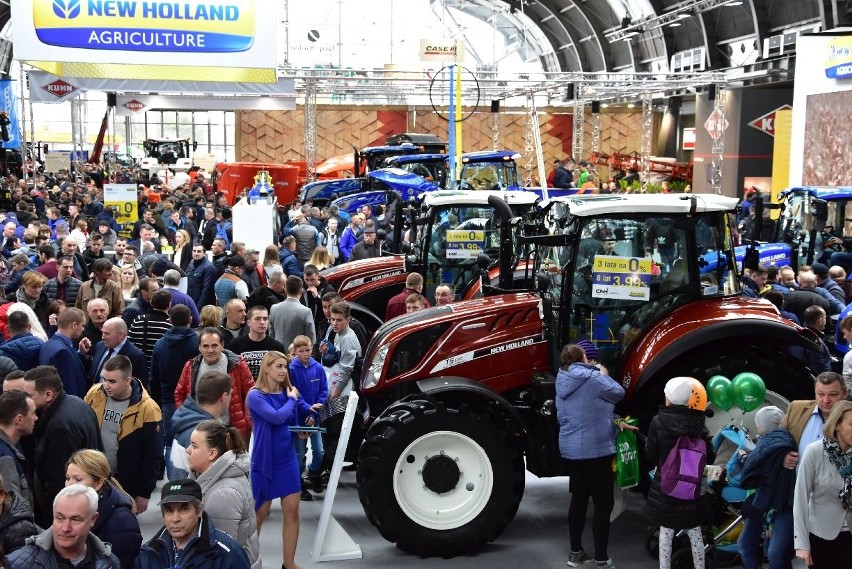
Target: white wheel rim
459,505
736,416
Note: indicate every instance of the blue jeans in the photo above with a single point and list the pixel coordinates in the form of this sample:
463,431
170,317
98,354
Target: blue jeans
780,547
316,448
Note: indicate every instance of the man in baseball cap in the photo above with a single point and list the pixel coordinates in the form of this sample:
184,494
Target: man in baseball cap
188,538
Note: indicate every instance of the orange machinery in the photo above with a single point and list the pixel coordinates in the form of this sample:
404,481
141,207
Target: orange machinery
234,177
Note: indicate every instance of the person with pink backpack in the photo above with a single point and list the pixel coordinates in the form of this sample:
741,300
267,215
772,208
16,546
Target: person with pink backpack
680,445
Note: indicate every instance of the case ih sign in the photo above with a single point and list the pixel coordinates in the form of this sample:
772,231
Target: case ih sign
59,88
766,123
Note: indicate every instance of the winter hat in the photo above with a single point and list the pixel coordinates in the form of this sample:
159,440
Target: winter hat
768,418
820,270
686,391
589,348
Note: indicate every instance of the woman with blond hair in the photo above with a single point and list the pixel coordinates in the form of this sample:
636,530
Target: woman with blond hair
272,403
211,316
32,294
271,260
218,460
129,283
183,249
116,523
321,258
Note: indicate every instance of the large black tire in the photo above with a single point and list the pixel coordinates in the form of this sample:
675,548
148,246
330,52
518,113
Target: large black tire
782,373
439,481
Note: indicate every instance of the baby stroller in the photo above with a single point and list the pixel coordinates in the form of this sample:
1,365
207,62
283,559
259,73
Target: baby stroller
725,506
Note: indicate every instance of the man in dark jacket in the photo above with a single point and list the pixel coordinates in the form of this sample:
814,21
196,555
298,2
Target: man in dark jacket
806,295
64,286
367,248
189,538
23,348
315,289
59,351
65,425
208,228
171,352
17,420
142,303
148,328
563,177
287,257
270,294
201,278
114,342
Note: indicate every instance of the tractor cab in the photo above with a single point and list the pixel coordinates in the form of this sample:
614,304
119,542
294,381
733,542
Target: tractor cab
431,167
614,266
810,216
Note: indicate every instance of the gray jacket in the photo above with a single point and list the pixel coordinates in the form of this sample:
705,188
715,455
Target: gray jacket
228,501
816,506
39,553
289,319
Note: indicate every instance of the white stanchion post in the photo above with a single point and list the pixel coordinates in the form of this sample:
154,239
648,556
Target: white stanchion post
332,542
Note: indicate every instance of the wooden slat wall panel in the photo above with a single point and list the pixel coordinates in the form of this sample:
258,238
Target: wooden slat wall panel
277,136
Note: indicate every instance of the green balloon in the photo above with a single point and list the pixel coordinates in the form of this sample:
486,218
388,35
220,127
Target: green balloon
748,390
719,392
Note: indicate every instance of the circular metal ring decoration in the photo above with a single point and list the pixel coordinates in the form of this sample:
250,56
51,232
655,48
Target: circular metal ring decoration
438,75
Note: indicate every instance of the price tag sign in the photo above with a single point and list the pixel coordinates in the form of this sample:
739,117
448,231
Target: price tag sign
626,278
123,200
465,243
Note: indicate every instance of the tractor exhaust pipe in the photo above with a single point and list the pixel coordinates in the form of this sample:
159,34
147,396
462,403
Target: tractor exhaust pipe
504,214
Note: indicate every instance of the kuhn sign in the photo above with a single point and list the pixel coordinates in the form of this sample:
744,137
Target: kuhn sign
134,106
59,88
766,123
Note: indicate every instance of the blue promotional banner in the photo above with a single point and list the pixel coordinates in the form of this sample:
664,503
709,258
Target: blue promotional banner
9,127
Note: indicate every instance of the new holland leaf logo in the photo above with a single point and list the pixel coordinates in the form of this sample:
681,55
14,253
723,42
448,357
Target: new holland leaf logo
66,9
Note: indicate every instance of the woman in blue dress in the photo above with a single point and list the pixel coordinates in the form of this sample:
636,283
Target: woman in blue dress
274,465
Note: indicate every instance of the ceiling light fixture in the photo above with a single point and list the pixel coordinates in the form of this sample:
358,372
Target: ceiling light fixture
675,24
735,3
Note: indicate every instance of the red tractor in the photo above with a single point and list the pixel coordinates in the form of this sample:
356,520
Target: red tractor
449,232
462,395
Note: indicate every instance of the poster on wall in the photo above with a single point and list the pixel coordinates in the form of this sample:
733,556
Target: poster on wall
828,161
688,139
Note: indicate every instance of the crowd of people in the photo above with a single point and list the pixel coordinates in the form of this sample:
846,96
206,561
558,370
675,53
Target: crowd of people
800,469
115,377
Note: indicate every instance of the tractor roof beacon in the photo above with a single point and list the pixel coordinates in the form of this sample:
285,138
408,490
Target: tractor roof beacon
462,396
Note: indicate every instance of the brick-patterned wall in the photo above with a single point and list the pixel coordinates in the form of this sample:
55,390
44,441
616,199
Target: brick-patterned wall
277,136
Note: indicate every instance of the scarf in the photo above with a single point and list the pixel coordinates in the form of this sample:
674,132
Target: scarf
842,461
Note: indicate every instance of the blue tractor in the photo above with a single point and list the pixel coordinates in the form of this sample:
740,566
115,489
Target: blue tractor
367,160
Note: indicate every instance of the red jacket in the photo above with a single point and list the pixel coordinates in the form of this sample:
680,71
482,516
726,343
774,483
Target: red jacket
396,305
241,383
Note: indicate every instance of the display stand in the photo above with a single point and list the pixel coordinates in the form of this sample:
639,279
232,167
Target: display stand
332,542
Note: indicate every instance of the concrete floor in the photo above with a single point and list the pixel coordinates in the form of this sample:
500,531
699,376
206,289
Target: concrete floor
538,537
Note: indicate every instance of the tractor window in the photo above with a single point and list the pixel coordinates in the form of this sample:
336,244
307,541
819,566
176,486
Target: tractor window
435,172
489,176
459,233
623,275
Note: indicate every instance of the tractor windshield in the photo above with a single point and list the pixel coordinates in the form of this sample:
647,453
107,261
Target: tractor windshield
456,236
490,176
435,172
614,277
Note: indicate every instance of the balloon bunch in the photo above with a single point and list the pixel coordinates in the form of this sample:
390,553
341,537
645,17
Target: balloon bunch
747,391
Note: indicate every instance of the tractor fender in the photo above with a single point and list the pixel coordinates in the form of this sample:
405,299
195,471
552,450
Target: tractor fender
372,320
661,346
435,386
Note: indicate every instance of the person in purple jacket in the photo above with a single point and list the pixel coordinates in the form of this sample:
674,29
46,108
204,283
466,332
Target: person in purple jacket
273,403
308,376
585,408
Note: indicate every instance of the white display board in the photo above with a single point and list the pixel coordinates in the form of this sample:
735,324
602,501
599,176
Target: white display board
255,224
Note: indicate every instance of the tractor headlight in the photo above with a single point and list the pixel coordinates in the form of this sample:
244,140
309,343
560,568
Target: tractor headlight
374,372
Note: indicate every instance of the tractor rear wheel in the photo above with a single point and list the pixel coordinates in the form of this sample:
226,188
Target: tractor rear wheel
437,480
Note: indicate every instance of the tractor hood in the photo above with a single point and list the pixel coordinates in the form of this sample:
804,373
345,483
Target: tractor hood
408,185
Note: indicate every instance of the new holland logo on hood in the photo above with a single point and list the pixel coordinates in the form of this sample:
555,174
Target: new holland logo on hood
191,26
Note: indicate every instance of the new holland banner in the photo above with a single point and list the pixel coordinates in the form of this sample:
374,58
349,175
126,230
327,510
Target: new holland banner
230,41
10,131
